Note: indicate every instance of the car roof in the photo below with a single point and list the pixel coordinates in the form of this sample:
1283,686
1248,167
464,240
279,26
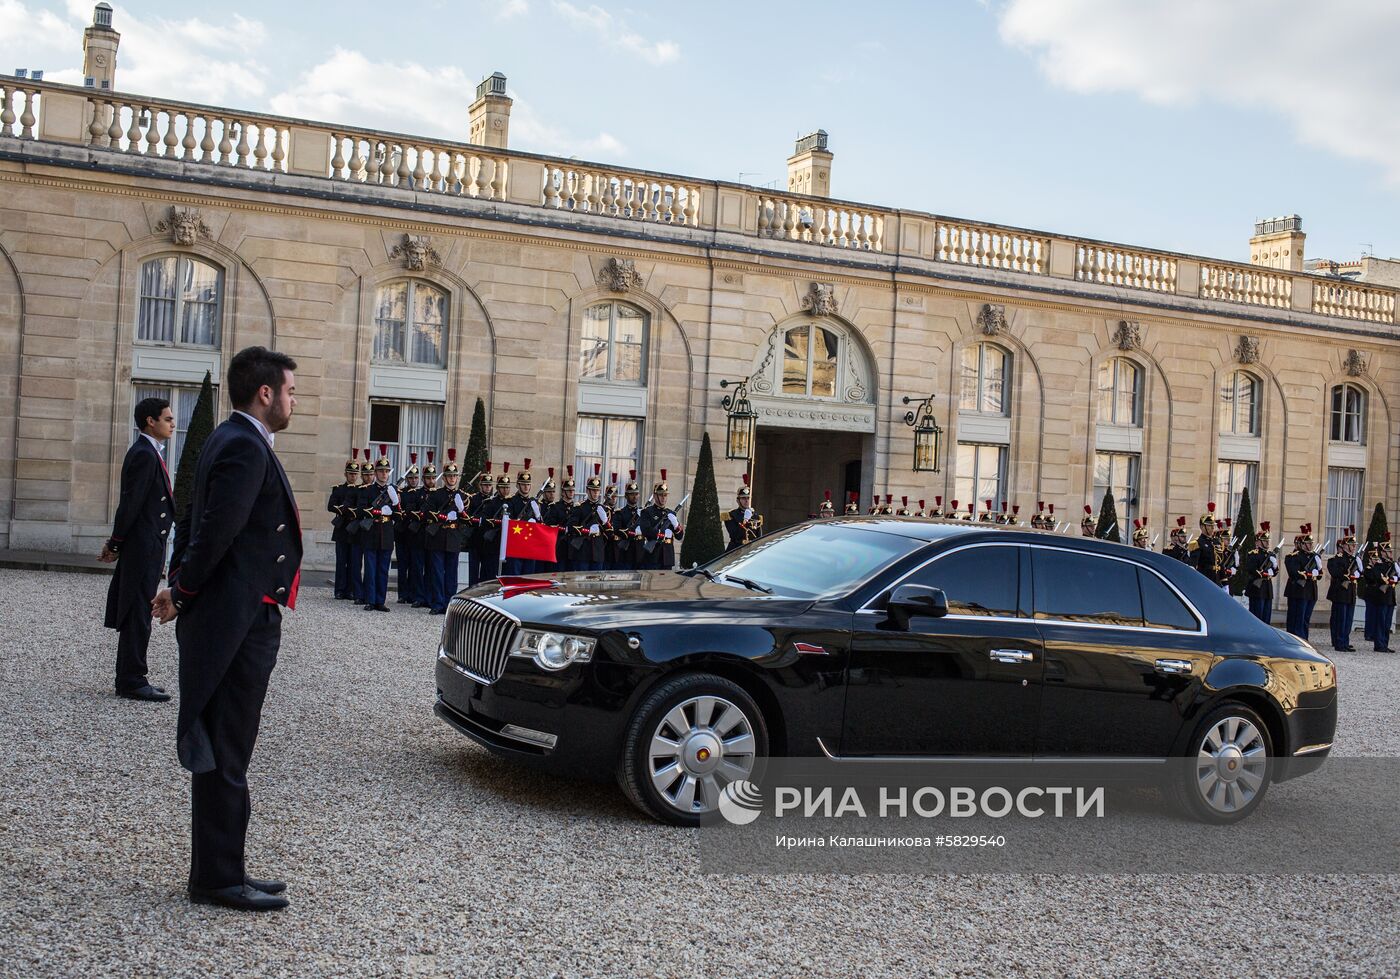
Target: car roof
941,528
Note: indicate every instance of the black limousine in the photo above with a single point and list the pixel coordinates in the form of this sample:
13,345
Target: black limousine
880,637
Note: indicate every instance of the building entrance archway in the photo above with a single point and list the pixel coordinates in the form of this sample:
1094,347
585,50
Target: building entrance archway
795,466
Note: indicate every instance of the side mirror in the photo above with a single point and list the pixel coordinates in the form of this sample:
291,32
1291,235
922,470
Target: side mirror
910,600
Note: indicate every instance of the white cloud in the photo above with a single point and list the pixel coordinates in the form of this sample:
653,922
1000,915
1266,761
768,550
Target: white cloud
512,8
1329,69
351,89
614,31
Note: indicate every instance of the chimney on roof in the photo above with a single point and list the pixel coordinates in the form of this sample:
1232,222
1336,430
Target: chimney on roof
100,49
809,167
1278,243
490,113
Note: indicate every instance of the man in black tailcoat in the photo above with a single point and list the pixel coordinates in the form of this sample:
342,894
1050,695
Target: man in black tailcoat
627,525
588,520
139,532
237,562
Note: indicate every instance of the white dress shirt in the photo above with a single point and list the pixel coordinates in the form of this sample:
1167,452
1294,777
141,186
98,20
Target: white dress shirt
258,425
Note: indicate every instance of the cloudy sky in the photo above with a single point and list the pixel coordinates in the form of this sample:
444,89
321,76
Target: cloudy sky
1164,123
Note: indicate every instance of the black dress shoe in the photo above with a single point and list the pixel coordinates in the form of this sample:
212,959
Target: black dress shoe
240,897
437,611
367,608
402,601
421,605
147,692
381,608
1348,649
266,886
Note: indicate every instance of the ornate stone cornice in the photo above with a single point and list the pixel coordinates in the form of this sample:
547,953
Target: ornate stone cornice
417,252
185,225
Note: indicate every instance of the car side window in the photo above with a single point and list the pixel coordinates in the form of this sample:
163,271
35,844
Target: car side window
1079,587
1161,608
978,580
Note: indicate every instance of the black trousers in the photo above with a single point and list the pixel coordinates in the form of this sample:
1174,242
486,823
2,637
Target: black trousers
220,803
133,638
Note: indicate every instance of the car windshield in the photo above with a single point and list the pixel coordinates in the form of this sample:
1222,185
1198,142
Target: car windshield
813,560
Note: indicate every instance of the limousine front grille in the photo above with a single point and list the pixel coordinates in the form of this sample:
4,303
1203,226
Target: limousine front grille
478,638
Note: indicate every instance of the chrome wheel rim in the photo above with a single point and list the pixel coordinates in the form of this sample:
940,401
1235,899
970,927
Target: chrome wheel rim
699,747
1231,765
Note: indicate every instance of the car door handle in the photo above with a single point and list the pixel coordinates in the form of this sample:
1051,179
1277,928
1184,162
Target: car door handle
1175,666
1011,656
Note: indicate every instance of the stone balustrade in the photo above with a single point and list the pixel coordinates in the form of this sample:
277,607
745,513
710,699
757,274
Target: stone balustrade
136,126
1252,285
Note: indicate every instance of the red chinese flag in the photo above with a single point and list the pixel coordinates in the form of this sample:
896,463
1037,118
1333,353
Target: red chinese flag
528,541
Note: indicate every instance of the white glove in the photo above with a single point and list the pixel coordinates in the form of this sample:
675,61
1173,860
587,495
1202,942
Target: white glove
668,533
451,514
674,522
602,515
385,511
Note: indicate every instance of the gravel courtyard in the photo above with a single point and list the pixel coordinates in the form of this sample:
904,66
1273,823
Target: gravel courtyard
411,852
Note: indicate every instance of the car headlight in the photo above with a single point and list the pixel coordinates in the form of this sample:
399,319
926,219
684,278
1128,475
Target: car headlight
553,650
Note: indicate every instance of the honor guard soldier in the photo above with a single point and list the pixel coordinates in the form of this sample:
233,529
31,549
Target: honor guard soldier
742,524
874,505
551,515
408,536
358,501
1141,538
661,528
1087,524
627,524
340,533
564,507
1177,548
522,508
588,521
1260,567
827,508
1038,518
476,500
611,538
445,529
920,512
852,506
937,510
487,545
423,594
379,535
1380,578
887,508
1304,569
1211,552
1343,571
903,509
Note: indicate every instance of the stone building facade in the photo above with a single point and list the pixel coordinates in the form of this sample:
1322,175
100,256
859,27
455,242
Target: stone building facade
596,309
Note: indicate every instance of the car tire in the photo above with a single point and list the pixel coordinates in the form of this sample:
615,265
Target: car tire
1228,766
719,734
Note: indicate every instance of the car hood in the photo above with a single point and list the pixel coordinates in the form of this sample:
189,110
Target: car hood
628,599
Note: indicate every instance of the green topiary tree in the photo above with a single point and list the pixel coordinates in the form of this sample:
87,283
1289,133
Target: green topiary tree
704,530
477,452
1108,528
201,423
1379,528
1243,531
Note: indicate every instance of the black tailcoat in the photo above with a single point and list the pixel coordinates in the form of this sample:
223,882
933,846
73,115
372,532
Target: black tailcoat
583,545
144,515
1341,589
238,543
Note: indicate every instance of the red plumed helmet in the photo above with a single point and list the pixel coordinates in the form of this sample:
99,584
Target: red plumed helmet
570,471
527,463
852,496
354,453
551,472
1181,522
1088,510
614,476
1003,506
828,495
1040,505
889,497
663,475
1015,508
904,501
971,507
921,504
430,455
953,504
488,465
505,468
413,457
451,455
989,503
1264,526
632,474
1052,509
367,452
938,501
1227,521
1210,507
746,479
597,468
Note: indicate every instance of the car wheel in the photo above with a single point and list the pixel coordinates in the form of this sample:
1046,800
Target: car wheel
689,738
1227,768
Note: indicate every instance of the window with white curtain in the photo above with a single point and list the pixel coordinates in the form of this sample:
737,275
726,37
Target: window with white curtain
613,345
612,443
410,318
985,376
1231,480
404,429
180,302
182,401
1344,503
1119,472
1239,404
1120,393
811,355
981,475
1348,414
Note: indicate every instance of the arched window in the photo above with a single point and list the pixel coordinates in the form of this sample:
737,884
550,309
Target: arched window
1120,393
410,320
613,346
1239,404
985,377
810,357
1348,414
181,301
